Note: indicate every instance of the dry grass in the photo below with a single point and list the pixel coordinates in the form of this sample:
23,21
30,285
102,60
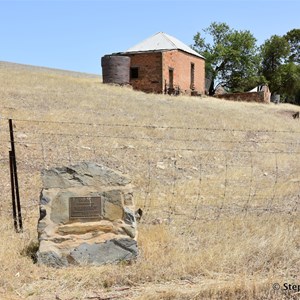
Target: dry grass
230,219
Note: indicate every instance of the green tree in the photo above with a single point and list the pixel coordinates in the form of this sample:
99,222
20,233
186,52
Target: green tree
231,57
290,82
293,37
274,52
280,65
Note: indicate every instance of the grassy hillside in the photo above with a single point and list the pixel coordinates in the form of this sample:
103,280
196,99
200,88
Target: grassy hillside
219,183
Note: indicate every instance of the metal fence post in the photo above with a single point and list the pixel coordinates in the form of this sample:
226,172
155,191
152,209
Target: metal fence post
13,192
14,178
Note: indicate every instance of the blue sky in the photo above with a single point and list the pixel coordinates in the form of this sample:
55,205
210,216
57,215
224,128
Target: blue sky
75,34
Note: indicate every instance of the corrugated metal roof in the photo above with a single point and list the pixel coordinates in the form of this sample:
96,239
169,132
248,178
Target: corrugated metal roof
162,41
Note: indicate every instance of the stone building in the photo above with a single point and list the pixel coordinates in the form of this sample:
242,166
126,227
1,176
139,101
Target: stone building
159,64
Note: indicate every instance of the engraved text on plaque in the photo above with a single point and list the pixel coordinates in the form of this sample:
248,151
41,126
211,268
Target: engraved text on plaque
85,208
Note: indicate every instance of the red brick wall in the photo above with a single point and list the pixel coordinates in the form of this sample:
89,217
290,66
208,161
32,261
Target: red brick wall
181,63
150,75
154,71
262,97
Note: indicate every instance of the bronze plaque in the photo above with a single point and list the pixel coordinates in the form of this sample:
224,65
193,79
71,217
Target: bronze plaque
85,208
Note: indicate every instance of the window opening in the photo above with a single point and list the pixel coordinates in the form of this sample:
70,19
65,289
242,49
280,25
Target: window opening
134,73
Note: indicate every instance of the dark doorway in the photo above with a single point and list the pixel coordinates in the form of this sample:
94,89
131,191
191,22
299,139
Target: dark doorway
171,80
192,76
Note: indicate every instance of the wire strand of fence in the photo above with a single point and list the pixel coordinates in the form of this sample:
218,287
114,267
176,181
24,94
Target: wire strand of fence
163,139
46,160
166,208
151,126
154,147
212,214
176,199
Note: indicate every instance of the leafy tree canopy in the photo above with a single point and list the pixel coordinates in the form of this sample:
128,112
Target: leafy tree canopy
293,37
280,65
231,57
274,52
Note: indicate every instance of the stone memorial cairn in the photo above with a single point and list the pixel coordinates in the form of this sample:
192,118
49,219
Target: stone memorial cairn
86,217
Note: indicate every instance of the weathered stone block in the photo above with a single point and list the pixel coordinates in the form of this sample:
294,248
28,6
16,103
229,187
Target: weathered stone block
110,251
86,216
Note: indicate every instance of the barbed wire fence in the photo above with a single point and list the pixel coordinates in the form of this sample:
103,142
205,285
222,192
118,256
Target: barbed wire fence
181,174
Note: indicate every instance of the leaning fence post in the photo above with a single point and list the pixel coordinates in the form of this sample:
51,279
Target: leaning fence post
13,196
15,183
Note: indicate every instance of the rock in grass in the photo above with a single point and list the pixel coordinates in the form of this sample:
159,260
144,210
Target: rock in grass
86,216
